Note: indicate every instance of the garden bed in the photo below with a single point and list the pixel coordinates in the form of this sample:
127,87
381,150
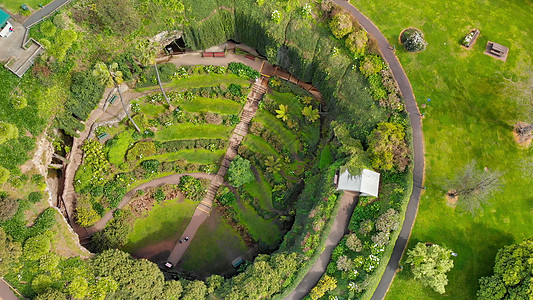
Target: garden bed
471,38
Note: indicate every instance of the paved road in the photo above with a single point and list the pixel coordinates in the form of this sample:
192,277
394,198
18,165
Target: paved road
5,292
339,228
418,144
44,12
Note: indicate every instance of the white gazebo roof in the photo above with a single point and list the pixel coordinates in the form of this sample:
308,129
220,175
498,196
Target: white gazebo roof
367,183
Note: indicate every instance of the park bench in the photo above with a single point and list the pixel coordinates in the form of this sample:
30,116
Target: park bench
219,54
112,99
207,54
251,57
102,135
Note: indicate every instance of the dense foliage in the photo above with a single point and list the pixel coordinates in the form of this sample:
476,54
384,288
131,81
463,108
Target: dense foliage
413,40
429,264
240,172
513,274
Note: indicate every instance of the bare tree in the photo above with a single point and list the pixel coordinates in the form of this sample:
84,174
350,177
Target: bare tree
521,90
473,187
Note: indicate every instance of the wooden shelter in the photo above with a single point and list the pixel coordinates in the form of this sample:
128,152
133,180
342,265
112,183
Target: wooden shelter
497,51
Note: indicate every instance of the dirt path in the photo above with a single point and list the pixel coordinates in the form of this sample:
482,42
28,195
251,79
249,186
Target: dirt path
204,208
339,228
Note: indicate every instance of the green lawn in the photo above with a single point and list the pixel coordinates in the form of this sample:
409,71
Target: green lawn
276,126
152,110
260,229
200,156
470,116
260,189
221,106
213,248
203,80
258,144
14,5
153,228
117,151
184,131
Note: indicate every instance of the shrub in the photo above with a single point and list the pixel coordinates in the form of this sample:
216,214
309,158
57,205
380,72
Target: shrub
340,25
354,243
235,90
8,131
326,284
413,40
191,188
226,197
356,42
243,70
4,175
388,221
86,215
388,147
151,166
37,246
35,197
366,227
240,172
344,263
141,150
159,195
371,64
381,238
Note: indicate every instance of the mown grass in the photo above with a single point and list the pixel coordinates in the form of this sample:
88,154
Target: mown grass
221,106
117,151
183,131
469,116
203,80
14,5
200,156
213,248
152,110
276,126
154,228
260,229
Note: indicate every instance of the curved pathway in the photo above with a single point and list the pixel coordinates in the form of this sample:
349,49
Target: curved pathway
339,228
170,179
418,144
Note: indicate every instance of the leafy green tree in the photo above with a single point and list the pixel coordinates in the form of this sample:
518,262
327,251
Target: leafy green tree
513,274
430,265
388,221
86,216
136,278
146,51
474,187
356,42
311,113
49,262
195,290
240,172
214,282
8,131
78,288
283,112
111,76
37,246
340,25
357,157
41,283
273,164
10,252
103,287
388,147
118,16
172,290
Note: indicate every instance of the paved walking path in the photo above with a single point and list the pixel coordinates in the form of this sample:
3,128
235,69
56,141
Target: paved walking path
339,228
44,12
418,144
170,179
5,292
204,208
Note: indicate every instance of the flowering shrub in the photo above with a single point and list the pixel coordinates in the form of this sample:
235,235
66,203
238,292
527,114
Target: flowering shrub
276,16
413,40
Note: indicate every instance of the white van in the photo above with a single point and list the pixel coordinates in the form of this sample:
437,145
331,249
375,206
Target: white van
7,30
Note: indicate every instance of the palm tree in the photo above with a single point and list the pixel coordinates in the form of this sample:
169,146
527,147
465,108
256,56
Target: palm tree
283,112
310,113
147,52
111,76
273,165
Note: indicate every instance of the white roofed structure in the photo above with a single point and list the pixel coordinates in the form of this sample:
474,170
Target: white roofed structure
367,183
